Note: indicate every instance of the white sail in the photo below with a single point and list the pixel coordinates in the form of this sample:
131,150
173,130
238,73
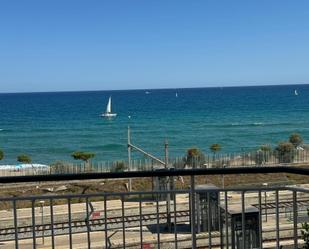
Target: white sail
295,92
108,113
109,105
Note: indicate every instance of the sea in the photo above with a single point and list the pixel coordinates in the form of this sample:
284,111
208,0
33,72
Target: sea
50,126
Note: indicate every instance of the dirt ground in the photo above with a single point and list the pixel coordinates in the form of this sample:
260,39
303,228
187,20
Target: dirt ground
141,184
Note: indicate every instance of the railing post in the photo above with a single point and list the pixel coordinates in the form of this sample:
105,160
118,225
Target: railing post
168,197
192,204
260,220
51,208
15,224
33,224
243,219
42,220
277,220
265,200
295,213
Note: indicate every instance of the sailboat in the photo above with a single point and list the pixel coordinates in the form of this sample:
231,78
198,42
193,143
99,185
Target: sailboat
295,92
176,95
108,113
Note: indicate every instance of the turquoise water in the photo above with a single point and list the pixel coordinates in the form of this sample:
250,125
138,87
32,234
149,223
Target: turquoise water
50,126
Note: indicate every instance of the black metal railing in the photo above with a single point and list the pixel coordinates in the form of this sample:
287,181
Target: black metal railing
196,216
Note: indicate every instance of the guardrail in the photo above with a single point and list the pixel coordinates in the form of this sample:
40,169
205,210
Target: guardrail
202,216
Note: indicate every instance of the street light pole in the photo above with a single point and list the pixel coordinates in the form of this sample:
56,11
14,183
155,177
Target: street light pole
162,162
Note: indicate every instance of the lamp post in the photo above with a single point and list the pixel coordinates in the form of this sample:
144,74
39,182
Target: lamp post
42,218
164,163
265,199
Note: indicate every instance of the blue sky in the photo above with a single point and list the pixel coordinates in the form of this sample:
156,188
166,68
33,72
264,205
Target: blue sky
60,45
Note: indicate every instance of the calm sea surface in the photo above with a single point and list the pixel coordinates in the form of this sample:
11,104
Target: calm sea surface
50,126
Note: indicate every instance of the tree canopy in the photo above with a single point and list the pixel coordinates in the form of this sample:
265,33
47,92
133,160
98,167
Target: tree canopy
193,152
215,148
194,157
296,139
285,151
23,158
265,148
82,155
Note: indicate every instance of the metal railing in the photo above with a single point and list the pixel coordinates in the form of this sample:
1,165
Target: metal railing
201,216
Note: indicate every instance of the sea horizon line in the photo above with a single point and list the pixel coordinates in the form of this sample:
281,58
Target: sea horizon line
154,89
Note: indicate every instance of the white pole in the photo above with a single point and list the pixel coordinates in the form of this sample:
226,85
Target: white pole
129,157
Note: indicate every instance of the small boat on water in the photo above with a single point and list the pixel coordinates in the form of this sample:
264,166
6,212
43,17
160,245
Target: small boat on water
295,92
176,95
108,113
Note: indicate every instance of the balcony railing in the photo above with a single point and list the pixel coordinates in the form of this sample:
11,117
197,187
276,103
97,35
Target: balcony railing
201,216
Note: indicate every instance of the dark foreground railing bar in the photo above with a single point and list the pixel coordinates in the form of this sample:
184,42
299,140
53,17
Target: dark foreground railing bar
15,224
51,206
175,221
198,216
192,211
161,173
70,222
209,221
158,221
87,223
243,224
295,233
226,218
33,224
153,215
123,223
260,217
140,219
105,222
277,220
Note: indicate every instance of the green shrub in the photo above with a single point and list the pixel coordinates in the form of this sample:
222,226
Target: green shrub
265,148
296,139
84,156
81,155
23,158
215,148
194,157
285,152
